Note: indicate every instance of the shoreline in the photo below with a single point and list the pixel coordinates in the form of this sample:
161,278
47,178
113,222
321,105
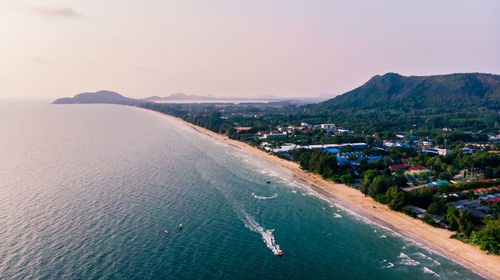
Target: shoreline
435,239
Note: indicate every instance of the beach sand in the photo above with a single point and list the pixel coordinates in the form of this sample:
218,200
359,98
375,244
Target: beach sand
436,239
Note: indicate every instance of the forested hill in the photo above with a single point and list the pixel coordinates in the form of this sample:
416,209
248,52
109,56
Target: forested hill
393,102
393,91
103,96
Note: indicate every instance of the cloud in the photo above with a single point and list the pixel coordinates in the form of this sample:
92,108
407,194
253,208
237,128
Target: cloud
56,12
21,6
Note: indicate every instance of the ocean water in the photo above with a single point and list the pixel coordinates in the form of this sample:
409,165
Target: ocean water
87,192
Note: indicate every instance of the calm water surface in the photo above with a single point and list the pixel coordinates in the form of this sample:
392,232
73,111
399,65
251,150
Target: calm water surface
87,192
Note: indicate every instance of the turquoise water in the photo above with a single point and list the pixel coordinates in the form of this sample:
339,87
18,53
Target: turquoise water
87,191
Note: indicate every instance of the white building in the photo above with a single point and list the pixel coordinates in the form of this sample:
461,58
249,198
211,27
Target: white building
327,126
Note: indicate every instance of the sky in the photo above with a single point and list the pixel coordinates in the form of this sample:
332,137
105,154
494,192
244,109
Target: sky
236,48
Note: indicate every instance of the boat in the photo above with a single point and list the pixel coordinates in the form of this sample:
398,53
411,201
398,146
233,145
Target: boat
180,226
165,231
277,250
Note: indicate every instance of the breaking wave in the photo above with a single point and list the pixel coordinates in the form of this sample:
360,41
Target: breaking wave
406,260
425,257
428,271
264,197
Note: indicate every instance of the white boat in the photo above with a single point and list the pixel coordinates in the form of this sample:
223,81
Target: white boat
180,226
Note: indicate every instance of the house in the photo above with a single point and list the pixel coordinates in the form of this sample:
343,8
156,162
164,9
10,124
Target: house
467,151
333,150
342,160
388,143
474,206
426,143
402,145
341,130
444,152
437,151
438,183
430,150
242,128
494,137
495,200
274,134
327,126
314,147
395,167
356,145
418,211
264,144
416,170
285,148
400,135
405,161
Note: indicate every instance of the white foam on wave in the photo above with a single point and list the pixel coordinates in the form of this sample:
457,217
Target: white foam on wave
383,236
267,234
293,191
428,271
337,216
406,260
425,257
389,264
264,197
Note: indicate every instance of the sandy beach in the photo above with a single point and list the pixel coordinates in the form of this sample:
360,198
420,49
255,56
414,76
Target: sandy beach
436,239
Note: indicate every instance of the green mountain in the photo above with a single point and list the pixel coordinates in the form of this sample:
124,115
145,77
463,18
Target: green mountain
469,101
393,91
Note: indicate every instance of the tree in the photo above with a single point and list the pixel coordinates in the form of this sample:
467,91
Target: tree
451,216
465,222
421,197
428,219
444,176
380,185
433,208
347,178
395,198
407,210
400,181
488,238
368,177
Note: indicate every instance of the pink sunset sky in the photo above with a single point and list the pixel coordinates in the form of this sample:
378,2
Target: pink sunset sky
235,48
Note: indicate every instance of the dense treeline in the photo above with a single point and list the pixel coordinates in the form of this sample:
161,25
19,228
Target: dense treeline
317,161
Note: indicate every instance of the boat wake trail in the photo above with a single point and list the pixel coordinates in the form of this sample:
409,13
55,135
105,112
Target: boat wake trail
264,197
267,235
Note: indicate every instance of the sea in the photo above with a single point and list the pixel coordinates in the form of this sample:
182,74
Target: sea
99,192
